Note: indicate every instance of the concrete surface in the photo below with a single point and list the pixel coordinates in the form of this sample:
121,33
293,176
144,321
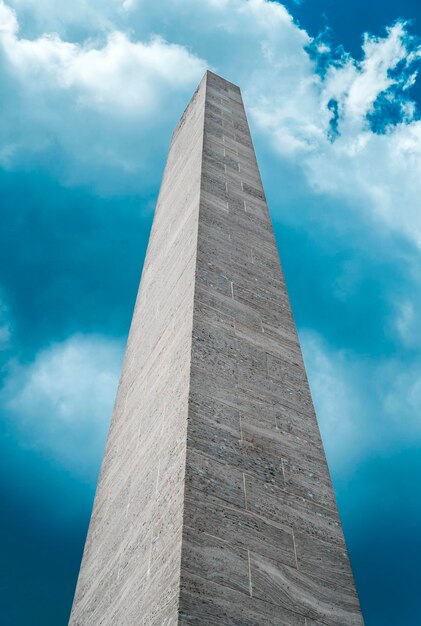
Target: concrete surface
214,503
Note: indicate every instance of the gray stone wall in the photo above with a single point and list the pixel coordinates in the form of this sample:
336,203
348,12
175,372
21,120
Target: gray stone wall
130,573
214,504
262,540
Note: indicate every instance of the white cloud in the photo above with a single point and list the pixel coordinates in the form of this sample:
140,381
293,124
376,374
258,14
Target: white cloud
377,174
374,174
123,77
62,16
128,4
354,86
103,101
364,406
357,85
62,401
339,409
8,22
97,100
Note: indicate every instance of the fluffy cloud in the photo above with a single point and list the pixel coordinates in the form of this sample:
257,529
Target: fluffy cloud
122,77
340,411
95,101
353,131
62,401
347,126
365,406
66,18
300,120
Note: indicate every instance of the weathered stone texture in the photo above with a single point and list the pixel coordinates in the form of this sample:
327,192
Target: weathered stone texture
262,540
214,504
130,572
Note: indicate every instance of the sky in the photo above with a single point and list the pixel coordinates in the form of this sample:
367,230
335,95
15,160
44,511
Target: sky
90,93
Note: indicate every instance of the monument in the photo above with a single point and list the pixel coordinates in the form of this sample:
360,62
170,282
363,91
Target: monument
214,504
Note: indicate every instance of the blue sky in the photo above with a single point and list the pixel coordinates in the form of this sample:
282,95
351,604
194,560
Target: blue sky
90,93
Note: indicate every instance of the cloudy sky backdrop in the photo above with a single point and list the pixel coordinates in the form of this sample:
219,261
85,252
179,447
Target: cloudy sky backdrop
90,92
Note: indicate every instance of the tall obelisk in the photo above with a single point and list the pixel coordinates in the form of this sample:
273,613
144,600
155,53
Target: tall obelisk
214,504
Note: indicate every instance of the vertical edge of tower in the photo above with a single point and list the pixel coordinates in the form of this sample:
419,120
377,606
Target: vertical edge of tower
130,572
262,539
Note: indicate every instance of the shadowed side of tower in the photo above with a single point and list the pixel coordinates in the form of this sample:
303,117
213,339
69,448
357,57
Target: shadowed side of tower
214,504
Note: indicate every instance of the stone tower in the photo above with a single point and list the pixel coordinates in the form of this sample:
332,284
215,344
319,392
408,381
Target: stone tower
214,504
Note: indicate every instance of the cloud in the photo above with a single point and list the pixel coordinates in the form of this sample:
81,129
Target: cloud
348,126
91,91
128,4
353,130
339,410
66,18
62,401
122,77
357,86
405,320
365,406
95,101
353,86
5,324
102,104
